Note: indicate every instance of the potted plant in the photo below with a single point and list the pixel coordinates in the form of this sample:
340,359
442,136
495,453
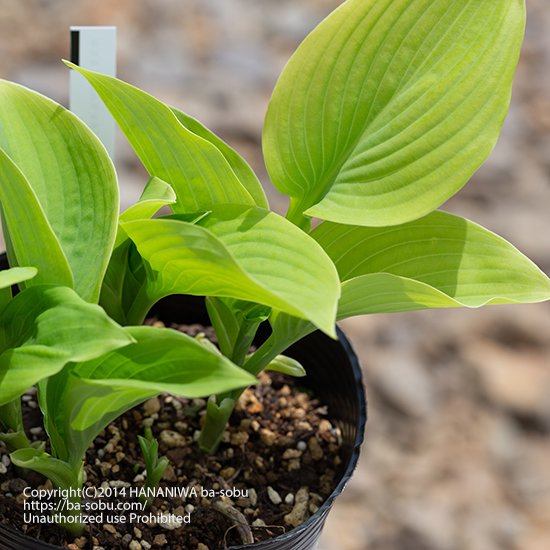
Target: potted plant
384,112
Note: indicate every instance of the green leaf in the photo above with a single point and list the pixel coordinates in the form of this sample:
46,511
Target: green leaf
440,260
225,323
157,193
240,252
164,361
70,191
83,399
388,107
236,323
59,472
286,330
45,327
120,280
30,235
195,168
154,466
286,365
384,292
241,168
15,275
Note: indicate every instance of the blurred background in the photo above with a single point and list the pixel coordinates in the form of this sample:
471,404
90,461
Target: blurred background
457,451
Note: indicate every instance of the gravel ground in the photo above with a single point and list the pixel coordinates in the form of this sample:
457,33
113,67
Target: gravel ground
456,455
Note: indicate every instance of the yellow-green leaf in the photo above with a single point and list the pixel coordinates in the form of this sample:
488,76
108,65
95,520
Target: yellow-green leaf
440,260
389,106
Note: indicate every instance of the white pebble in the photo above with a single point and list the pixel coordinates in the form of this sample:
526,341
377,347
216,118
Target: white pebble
274,496
302,446
170,522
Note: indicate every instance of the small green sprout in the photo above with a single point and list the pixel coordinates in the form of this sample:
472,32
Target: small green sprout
154,466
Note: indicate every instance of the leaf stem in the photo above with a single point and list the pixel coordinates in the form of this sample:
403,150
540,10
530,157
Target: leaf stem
295,214
217,416
216,419
12,431
141,305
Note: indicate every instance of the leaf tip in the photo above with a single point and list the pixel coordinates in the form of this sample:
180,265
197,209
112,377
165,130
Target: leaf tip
70,64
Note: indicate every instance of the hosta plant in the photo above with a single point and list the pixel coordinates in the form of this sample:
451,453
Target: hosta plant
384,112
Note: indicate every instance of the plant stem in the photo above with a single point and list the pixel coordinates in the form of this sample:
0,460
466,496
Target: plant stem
139,308
217,416
296,216
247,332
71,508
216,419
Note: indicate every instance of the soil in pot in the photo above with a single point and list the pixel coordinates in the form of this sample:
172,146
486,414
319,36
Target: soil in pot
280,452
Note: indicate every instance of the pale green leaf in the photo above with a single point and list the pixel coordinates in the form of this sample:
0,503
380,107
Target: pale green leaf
195,168
45,327
15,275
389,106
157,193
241,168
384,292
82,400
239,252
73,182
440,260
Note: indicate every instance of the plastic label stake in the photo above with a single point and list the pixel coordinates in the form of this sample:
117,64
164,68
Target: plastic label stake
93,48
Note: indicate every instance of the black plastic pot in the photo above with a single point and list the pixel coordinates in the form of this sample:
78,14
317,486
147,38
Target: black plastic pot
334,375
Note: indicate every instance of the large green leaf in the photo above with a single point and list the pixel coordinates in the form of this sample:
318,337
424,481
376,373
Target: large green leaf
29,234
384,292
239,252
45,327
389,106
73,183
195,168
440,260
241,168
82,400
